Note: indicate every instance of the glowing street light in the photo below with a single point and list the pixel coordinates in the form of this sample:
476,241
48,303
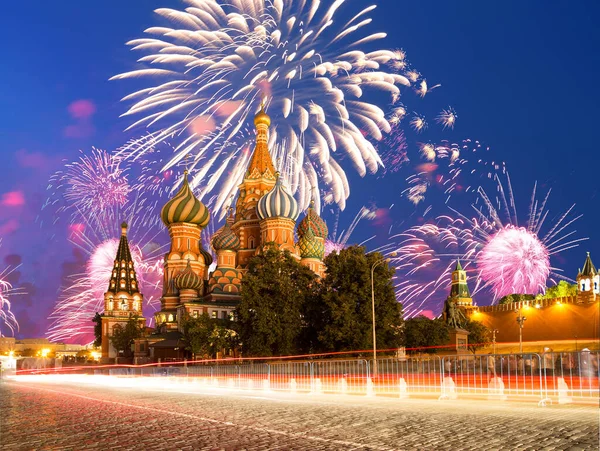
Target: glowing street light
377,263
520,320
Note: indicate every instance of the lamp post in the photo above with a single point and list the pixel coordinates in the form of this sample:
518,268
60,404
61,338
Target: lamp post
377,263
520,320
494,332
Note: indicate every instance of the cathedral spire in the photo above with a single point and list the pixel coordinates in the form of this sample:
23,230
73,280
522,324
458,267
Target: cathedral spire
261,161
123,278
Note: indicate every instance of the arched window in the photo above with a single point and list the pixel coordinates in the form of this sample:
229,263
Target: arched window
135,306
124,305
122,273
251,242
170,317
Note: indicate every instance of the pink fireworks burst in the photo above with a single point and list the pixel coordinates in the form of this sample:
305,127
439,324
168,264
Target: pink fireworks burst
514,260
500,254
340,240
97,181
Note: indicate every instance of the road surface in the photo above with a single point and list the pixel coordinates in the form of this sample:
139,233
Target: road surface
62,416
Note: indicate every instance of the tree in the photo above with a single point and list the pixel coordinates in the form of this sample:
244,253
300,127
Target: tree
123,337
97,329
205,336
561,290
516,298
275,291
344,321
479,335
425,335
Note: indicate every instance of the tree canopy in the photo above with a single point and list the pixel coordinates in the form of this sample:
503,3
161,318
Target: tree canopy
560,290
204,336
344,320
97,320
425,335
124,336
275,292
515,297
479,335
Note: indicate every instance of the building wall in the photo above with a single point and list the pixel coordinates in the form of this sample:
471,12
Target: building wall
555,319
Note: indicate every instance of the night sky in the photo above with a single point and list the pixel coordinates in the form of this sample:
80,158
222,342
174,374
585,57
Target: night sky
521,76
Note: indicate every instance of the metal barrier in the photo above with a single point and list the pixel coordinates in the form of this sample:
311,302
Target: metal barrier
407,376
496,376
571,375
545,377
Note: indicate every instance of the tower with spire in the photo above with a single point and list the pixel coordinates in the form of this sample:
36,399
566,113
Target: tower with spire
588,282
123,297
459,291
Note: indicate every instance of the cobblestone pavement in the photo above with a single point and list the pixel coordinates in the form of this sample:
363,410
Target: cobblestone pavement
45,416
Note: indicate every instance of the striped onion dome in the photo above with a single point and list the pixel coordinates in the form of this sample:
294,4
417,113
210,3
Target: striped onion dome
278,203
225,239
208,258
185,207
310,246
188,279
314,222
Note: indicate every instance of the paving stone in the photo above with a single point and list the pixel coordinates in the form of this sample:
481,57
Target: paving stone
69,417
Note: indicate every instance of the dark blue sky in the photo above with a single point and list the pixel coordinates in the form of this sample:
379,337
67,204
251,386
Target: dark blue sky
521,75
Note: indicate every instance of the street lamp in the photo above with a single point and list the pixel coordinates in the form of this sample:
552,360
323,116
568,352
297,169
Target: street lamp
494,332
520,320
377,263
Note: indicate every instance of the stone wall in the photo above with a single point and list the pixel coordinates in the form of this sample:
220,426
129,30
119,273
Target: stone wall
547,320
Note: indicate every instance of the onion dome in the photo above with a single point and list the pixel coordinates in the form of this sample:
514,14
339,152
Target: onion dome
262,117
310,246
314,222
188,279
208,258
278,203
185,207
226,239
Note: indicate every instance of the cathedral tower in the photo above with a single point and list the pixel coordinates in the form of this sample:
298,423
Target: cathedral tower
185,217
226,280
312,232
123,298
278,211
259,179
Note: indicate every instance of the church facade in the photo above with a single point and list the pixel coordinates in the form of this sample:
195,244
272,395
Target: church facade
265,214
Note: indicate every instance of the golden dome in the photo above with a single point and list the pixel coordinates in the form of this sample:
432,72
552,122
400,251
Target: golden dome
262,117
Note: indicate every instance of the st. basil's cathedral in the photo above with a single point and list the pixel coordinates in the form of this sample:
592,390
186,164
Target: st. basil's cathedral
265,213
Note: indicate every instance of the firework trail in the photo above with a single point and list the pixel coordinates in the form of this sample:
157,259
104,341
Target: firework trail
338,241
501,253
8,323
393,151
83,294
211,68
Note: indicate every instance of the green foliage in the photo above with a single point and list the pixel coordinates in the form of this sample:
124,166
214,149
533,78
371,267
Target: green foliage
97,320
343,319
204,336
516,298
275,292
422,332
478,335
123,337
561,290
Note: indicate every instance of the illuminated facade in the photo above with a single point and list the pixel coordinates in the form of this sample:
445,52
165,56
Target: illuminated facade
571,321
123,298
265,213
